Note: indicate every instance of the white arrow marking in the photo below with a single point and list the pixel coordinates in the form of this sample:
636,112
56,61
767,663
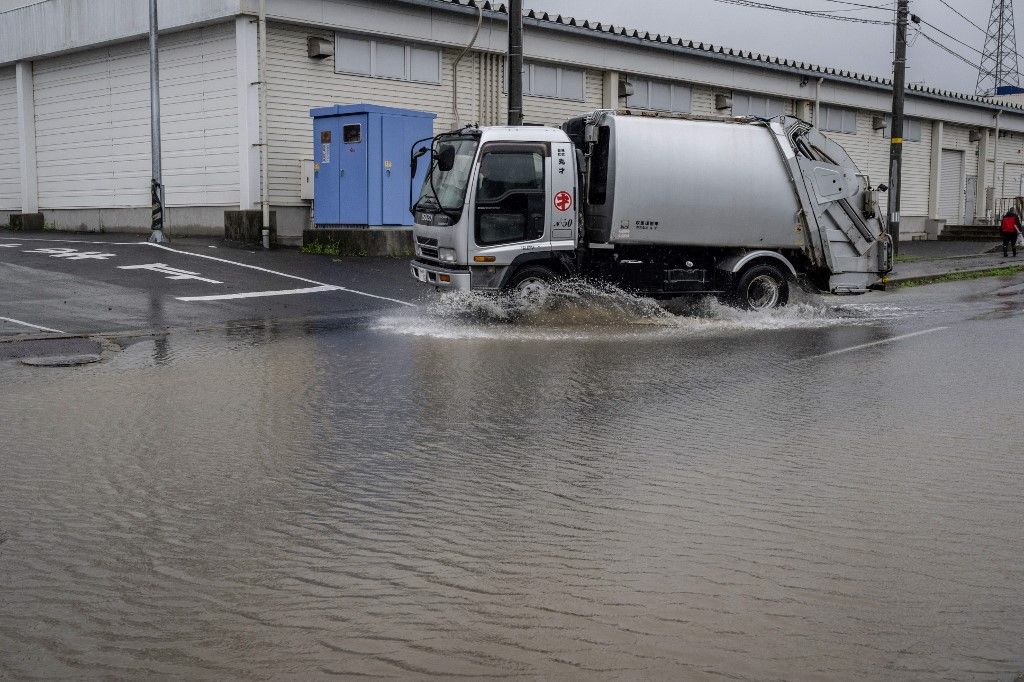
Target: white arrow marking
172,273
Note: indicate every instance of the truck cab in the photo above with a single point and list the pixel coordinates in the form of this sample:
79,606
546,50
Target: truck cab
496,200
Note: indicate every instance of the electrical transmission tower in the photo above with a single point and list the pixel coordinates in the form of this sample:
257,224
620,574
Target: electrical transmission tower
999,67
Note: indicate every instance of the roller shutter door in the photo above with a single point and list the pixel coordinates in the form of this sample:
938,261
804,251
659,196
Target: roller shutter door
10,171
951,190
1013,180
92,124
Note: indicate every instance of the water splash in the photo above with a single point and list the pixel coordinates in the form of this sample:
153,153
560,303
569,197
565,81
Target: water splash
578,310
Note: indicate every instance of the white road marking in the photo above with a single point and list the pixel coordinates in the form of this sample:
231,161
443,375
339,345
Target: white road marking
282,274
72,241
880,342
9,246
260,294
172,273
220,260
72,254
33,326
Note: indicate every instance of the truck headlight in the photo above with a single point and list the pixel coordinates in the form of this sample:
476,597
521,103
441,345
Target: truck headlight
446,255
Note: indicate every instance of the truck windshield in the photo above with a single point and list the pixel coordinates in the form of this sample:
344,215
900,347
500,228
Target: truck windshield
446,190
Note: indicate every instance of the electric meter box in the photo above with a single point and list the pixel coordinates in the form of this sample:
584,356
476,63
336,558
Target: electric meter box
361,164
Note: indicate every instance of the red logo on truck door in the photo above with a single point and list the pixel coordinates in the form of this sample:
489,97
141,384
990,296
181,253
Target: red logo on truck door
563,201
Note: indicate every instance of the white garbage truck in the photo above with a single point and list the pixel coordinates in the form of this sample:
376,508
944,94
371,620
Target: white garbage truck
661,205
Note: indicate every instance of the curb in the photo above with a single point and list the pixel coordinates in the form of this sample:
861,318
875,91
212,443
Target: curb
955,271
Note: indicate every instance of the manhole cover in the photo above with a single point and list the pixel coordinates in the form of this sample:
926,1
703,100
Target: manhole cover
61,360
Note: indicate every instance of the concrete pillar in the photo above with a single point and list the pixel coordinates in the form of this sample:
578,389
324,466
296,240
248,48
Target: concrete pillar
27,138
247,73
611,90
980,202
935,175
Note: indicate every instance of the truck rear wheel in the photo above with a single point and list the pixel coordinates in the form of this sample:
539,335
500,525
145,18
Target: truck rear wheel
530,280
762,287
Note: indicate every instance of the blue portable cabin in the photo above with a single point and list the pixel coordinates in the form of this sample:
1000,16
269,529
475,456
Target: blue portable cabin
361,164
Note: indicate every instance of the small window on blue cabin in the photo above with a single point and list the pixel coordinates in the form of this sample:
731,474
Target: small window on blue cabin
352,133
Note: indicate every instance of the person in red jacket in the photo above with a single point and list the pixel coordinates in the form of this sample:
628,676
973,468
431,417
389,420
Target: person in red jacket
1009,227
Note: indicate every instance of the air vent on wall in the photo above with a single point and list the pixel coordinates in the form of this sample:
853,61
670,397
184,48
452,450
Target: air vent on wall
319,48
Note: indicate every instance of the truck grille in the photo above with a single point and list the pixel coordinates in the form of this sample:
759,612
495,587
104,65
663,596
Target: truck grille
428,247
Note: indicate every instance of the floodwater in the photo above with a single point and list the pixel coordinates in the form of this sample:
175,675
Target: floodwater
588,487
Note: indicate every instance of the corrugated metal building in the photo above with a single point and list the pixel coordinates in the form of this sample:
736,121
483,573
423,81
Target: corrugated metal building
74,109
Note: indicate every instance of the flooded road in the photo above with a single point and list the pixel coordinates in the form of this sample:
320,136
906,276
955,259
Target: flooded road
595,489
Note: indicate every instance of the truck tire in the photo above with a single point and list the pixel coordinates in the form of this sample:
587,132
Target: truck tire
529,279
761,287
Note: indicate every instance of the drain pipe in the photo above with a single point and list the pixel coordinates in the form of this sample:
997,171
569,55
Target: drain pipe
455,67
995,164
817,103
264,169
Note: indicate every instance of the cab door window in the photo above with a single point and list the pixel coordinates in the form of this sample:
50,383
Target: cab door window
510,195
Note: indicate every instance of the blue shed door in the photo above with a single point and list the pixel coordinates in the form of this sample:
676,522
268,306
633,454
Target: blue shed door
352,170
326,140
394,143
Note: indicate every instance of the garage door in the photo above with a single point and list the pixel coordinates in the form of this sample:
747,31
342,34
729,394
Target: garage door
10,173
92,123
951,187
1013,180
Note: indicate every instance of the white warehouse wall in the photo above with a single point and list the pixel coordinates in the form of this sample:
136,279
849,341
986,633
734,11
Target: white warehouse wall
552,111
10,163
93,130
297,84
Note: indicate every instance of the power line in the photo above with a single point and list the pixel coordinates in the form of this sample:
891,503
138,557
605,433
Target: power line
958,13
954,39
957,40
805,12
886,7
948,50
756,4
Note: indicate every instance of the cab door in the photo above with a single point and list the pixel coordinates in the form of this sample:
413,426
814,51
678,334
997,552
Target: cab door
511,195
562,190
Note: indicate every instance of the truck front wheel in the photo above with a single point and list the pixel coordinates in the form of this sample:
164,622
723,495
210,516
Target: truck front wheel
530,280
762,287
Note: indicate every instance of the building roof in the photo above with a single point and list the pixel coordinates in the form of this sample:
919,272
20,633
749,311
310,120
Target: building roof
708,50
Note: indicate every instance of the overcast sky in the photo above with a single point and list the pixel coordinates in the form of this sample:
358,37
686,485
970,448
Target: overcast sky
859,47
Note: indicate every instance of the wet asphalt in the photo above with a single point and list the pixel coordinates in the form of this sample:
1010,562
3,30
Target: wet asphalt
337,482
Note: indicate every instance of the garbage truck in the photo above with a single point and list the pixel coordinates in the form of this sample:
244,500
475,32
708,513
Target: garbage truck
661,205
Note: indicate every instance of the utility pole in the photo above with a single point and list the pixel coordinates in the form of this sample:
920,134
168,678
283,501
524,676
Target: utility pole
157,234
899,77
515,63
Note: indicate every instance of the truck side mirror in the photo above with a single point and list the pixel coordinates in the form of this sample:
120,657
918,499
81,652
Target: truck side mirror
446,158
415,162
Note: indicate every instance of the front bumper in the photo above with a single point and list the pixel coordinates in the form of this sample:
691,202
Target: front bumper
442,278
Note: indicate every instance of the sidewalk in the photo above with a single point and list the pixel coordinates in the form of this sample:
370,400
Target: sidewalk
925,259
